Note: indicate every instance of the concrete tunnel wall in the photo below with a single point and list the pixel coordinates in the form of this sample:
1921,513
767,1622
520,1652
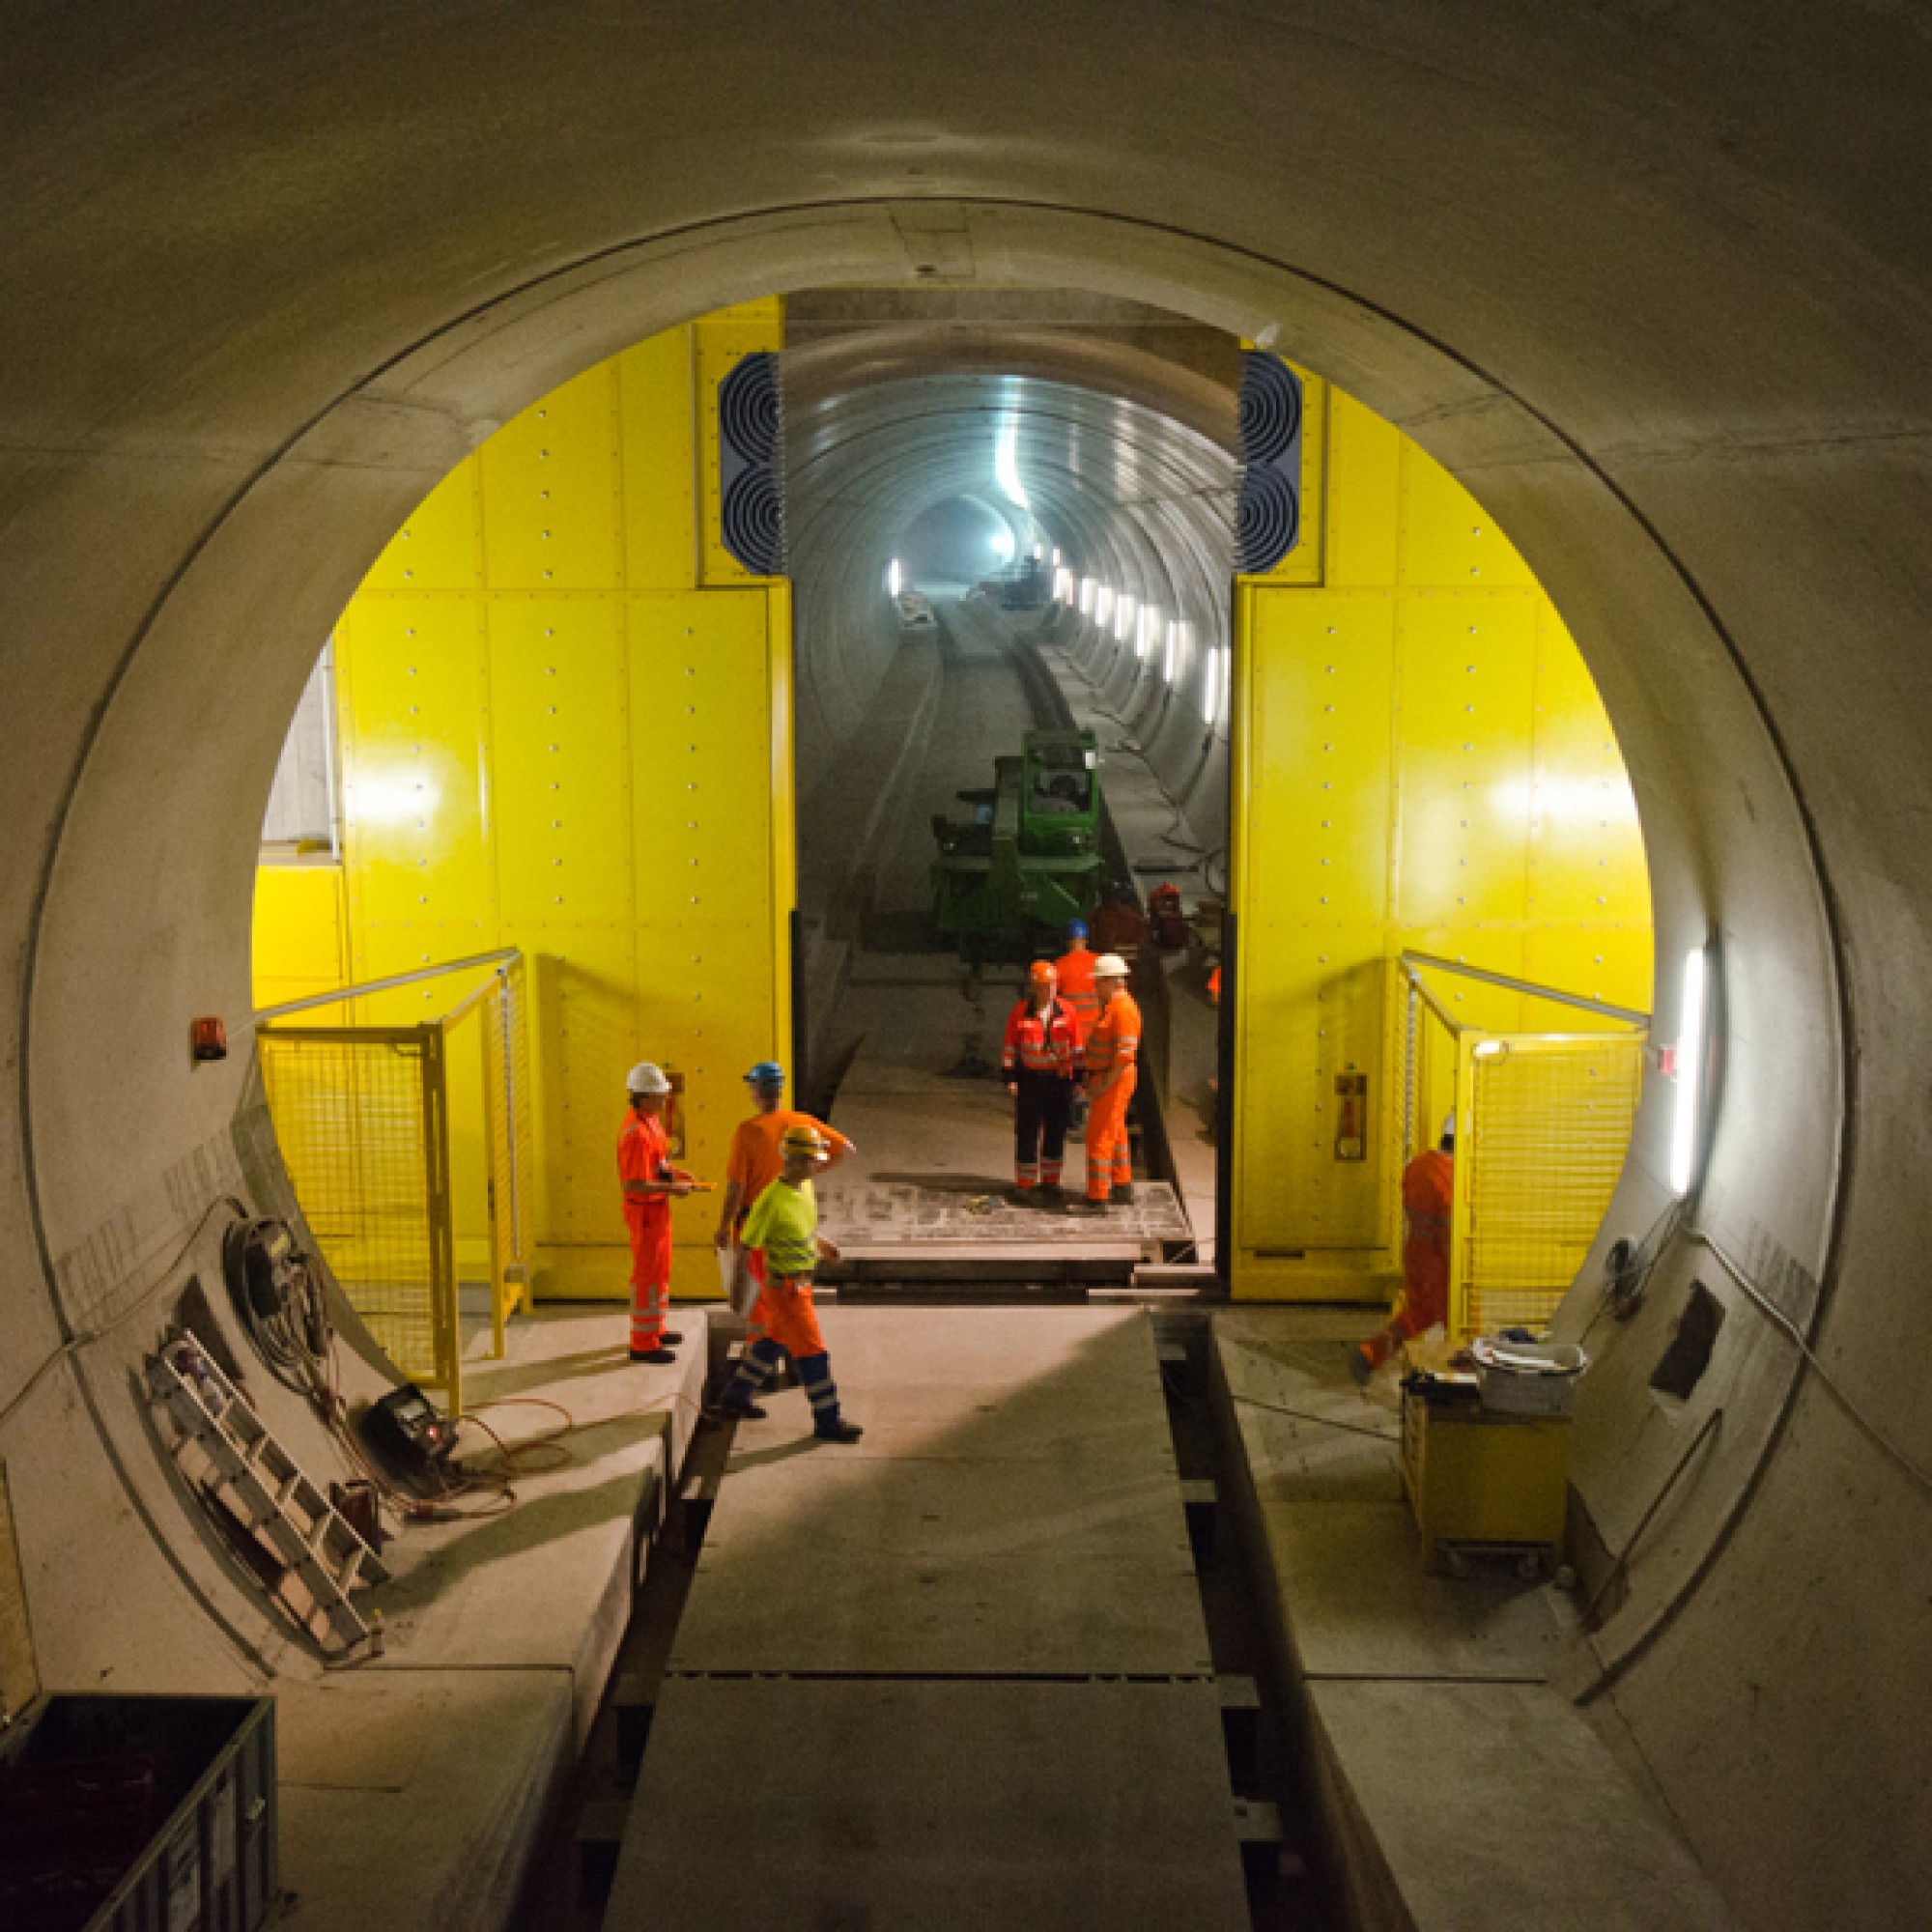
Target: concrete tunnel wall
1655,286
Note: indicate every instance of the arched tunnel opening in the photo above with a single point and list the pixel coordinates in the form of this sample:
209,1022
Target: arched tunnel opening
1713,470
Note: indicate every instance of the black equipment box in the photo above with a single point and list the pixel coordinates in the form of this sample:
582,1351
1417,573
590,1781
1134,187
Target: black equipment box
120,1813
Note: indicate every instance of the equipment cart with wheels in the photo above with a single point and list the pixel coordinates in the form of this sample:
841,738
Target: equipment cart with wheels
1482,1483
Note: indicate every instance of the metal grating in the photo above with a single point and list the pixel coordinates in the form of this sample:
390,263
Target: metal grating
1549,1123
352,1112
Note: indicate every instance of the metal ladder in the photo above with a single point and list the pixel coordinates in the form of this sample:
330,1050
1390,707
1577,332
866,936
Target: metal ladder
278,1501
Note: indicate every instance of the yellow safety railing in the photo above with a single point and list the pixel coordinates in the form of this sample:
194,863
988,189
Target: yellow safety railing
1543,1121
364,1117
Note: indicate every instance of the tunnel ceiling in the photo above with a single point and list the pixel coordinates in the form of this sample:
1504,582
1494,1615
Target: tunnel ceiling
1126,494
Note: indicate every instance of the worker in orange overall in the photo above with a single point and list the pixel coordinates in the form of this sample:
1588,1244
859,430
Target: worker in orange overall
1075,968
1042,1065
783,1222
755,1162
1074,971
650,1185
1112,1053
1428,1193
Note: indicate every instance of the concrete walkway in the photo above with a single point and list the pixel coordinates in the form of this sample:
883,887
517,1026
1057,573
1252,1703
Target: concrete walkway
1458,1790
956,1676
414,1787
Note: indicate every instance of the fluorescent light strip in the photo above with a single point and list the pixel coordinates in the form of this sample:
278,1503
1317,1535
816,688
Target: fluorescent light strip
1688,1121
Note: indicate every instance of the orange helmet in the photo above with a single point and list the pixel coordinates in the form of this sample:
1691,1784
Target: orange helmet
1043,973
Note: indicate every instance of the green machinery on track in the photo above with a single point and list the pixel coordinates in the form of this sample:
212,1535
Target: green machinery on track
1029,859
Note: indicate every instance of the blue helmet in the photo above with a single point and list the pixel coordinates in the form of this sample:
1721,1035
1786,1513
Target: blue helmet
1076,928
767,1073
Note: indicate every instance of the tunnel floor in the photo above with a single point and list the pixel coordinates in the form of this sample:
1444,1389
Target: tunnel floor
921,1031
957,1675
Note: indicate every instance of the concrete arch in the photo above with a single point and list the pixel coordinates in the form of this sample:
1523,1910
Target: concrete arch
247,361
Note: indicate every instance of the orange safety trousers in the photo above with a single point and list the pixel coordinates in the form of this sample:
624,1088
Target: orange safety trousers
1425,1301
1110,1160
788,1318
650,1274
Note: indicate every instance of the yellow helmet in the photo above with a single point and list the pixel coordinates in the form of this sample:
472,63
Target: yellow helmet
805,1140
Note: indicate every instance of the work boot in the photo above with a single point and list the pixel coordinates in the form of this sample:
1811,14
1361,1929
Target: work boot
1124,1194
671,1338
1361,1368
1052,1198
838,1430
655,1356
722,1410
1087,1204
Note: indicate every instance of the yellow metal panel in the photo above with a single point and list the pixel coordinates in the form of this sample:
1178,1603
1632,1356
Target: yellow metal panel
586,1037
1467,672
1448,539
655,403
1364,495
560,692
300,939
1319,694
553,510
415,833
1587,859
1497,949
440,546
1615,964
1313,715
707,777
723,341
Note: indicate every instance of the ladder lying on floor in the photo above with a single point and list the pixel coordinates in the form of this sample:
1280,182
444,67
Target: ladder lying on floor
279,1504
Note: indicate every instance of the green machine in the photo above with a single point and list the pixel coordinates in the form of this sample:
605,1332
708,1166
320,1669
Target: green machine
1029,859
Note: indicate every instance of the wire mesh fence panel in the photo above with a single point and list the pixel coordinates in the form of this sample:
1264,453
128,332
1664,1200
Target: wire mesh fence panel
1550,1122
349,1112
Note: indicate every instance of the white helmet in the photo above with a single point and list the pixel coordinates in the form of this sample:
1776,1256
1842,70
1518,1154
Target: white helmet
648,1077
1111,966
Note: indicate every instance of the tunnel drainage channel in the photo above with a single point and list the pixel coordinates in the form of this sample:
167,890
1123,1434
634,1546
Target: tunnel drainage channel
573,1884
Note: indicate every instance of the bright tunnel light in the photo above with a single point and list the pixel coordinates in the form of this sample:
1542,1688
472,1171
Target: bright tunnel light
1007,464
1104,605
1003,545
894,578
1688,1121
1123,620
1149,631
1056,558
1216,707
1087,590
1167,663
1039,553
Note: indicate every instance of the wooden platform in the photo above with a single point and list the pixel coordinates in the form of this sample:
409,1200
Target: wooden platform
956,1675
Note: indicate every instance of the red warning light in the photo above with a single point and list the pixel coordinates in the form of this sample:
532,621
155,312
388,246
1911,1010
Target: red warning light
209,1038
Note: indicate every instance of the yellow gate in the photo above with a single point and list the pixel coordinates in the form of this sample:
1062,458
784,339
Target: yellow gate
1543,1120
362,1113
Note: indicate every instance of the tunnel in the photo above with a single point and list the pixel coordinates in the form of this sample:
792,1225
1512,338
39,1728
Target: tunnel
1649,283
